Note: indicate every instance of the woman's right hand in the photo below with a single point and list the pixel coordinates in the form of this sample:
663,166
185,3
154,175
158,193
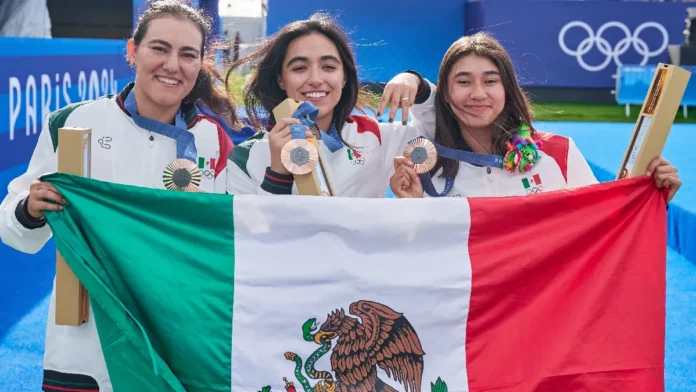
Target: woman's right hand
405,183
38,201
277,138
400,92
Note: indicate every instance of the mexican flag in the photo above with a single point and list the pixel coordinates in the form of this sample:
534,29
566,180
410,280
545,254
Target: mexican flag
557,291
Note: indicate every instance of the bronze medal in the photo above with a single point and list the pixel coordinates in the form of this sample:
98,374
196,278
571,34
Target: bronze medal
299,156
182,175
423,154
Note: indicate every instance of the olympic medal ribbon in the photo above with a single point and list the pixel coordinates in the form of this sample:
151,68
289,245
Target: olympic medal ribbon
307,114
427,158
185,141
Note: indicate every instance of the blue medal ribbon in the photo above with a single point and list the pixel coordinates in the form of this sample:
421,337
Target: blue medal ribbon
474,158
185,141
307,114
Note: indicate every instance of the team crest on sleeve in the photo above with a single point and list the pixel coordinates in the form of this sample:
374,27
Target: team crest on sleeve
207,167
377,338
532,184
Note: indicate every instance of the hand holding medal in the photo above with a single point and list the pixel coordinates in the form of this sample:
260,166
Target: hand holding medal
405,183
294,147
522,155
288,155
422,153
419,157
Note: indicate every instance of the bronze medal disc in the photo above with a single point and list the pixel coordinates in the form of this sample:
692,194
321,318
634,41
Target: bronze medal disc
423,154
299,156
182,175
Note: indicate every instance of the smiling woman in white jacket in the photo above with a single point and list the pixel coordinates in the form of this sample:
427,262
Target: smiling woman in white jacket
128,147
481,109
311,60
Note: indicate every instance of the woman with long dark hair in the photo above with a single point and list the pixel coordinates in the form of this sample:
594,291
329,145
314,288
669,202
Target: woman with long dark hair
481,108
311,60
136,135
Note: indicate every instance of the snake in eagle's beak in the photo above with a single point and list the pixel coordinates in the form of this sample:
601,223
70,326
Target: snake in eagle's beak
323,336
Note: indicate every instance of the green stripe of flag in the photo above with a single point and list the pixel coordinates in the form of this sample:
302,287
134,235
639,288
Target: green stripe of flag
142,350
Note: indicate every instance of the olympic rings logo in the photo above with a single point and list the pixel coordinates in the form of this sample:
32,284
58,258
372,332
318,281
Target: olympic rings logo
358,161
536,189
207,174
621,47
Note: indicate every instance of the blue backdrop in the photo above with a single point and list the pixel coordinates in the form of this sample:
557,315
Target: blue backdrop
389,37
579,43
39,76
634,83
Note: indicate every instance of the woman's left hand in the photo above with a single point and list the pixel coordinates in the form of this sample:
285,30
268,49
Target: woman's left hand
400,92
665,175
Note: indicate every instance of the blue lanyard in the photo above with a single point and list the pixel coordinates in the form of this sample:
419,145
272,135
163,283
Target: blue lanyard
307,114
185,141
474,158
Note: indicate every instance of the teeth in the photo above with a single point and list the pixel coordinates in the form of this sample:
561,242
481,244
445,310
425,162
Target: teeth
315,95
170,82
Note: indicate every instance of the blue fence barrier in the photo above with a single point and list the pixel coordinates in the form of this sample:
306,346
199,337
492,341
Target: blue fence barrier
579,43
633,83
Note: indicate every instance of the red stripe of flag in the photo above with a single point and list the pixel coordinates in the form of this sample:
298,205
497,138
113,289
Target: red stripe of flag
574,299
537,179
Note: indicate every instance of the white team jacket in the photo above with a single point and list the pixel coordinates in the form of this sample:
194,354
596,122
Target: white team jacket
360,172
122,153
560,166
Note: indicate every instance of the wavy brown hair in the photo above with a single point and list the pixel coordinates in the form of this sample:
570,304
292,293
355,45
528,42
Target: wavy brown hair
263,90
216,98
517,108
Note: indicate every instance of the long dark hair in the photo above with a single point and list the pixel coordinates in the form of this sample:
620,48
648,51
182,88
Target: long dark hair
217,99
262,90
505,126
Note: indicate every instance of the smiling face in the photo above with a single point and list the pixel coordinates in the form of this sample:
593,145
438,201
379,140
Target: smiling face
167,61
313,71
476,92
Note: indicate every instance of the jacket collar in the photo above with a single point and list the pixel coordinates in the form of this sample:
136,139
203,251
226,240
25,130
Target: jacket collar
187,109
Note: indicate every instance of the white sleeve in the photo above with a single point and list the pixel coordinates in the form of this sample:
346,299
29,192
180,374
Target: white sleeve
246,167
13,234
579,171
395,136
424,114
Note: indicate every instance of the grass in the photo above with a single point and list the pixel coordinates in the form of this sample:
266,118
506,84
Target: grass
547,111
585,112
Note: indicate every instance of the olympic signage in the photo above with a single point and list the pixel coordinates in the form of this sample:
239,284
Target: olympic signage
630,40
580,43
43,75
